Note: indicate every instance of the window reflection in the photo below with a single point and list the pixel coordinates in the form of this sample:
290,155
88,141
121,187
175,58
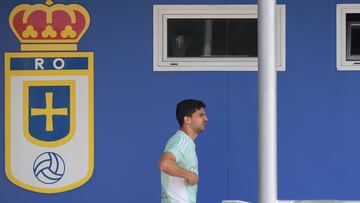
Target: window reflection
212,37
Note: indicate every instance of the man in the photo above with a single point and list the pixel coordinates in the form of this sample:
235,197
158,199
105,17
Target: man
178,163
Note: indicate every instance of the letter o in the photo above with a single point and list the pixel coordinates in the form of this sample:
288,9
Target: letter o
61,66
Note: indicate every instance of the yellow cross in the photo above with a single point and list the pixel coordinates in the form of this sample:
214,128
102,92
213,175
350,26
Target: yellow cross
49,111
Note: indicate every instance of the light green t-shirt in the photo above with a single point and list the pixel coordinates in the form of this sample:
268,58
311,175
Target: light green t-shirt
176,189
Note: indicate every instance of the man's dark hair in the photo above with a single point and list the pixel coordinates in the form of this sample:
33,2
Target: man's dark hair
186,108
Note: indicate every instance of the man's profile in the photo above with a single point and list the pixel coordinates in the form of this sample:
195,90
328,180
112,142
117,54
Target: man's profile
179,164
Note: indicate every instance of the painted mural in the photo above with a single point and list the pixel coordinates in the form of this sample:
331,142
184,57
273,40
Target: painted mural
49,99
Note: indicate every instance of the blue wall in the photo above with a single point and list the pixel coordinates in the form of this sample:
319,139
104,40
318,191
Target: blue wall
318,111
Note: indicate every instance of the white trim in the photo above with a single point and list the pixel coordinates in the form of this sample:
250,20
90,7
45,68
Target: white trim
341,62
163,12
300,201
181,144
318,201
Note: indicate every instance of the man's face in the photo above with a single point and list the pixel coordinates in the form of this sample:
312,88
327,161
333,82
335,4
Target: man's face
198,120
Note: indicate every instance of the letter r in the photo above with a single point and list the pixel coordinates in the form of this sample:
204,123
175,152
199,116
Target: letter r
39,63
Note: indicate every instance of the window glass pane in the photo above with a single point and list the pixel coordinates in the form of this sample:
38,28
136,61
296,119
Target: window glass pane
355,40
352,36
352,17
212,37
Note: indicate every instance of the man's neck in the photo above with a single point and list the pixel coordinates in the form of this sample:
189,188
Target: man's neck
189,132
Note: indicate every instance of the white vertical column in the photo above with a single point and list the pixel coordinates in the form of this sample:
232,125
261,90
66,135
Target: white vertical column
267,101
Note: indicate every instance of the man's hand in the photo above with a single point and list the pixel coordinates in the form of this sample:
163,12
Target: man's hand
192,179
167,164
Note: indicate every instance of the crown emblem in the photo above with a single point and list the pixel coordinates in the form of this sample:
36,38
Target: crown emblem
49,26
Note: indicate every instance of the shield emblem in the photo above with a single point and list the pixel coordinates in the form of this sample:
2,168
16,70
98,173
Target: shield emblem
49,135
49,111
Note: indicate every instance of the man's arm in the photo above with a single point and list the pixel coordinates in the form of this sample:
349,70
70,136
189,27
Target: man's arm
167,164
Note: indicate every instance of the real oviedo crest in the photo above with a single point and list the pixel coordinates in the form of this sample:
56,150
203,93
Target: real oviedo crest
49,99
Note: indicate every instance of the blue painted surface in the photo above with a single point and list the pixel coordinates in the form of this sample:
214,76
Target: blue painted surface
318,111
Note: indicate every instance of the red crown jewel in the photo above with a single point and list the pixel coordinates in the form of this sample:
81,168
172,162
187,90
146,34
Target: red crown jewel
49,23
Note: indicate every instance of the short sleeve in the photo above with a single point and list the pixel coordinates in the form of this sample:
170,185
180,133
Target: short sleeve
173,147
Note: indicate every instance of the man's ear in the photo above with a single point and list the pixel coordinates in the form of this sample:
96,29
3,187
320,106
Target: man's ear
187,119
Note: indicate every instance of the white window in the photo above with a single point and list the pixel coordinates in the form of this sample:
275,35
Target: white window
211,37
348,36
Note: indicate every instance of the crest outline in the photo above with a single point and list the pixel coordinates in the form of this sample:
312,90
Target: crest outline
7,76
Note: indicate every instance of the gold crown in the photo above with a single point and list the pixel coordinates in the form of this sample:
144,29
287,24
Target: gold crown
49,26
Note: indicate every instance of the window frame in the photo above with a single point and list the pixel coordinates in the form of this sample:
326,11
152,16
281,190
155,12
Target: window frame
342,64
163,63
